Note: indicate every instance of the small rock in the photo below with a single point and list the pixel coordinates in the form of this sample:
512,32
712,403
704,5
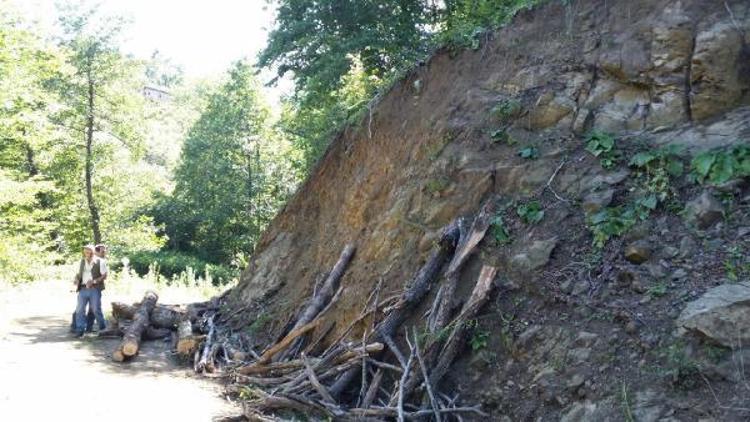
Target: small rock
585,339
536,256
638,252
670,251
655,270
579,355
638,286
704,211
576,381
631,327
742,232
679,274
579,412
625,278
722,314
687,246
581,287
566,286
595,201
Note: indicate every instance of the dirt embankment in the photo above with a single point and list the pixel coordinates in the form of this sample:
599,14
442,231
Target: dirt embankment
576,331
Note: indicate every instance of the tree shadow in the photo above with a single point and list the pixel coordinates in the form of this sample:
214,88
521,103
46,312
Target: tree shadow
52,331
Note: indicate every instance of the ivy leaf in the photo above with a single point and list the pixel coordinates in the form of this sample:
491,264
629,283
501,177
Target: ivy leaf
675,168
642,159
702,164
723,169
530,153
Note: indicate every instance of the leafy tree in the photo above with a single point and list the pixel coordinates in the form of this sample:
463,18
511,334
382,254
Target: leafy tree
99,91
330,47
230,179
315,40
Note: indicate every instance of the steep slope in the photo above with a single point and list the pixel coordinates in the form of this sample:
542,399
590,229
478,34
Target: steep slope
576,331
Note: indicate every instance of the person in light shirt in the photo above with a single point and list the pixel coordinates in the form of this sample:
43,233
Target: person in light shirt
89,282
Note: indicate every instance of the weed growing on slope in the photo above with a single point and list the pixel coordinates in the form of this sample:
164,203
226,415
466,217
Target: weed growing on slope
657,168
721,165
602,145
530,213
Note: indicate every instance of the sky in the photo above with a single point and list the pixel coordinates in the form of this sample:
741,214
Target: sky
204,37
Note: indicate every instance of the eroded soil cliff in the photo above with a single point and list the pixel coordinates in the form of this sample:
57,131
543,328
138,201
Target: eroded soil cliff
575,331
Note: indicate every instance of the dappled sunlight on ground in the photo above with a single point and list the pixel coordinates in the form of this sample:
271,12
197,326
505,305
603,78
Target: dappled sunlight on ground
48,375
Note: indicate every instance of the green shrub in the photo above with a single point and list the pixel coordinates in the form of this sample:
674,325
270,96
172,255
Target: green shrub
602,145
616,221
721,165
506,109
499,231
530,213
658,167
529,153
173,264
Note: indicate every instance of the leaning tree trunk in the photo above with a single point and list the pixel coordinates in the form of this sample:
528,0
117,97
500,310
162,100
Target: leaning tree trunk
93,209
131,341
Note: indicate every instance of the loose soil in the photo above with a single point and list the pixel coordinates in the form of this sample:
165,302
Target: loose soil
49,375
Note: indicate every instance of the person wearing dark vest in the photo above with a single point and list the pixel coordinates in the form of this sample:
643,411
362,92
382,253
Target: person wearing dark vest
101,253
89,282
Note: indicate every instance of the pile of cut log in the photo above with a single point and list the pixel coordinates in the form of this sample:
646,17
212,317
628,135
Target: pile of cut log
372,377
149,320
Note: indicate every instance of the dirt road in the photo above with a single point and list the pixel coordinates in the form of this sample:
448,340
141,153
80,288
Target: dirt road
45,374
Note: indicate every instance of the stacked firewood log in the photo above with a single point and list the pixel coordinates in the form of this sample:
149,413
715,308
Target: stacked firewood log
149,320
392,372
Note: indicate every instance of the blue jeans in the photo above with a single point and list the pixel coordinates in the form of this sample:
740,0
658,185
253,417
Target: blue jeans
91,297
97,313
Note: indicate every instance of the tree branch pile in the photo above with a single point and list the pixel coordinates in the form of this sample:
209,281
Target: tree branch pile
391,372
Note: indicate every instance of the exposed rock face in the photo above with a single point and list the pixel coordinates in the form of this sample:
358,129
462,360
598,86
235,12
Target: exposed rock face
650,72
722,314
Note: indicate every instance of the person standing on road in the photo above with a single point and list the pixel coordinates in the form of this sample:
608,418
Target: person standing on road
101,253
87,282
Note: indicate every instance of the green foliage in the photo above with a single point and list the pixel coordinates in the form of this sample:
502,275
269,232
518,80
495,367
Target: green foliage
499,231
616,221
721,165
529,153
435,186
682,370
478,339
231,178
312,122
172,264
506,109
602,145
658,167
657,290
736,263
531,212
463,21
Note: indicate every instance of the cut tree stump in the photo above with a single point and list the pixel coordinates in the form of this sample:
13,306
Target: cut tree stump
131,341
186,341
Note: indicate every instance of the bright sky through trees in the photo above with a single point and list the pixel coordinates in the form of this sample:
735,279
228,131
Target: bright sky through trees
204,36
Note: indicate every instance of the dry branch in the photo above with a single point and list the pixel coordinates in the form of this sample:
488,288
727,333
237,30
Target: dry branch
321,300
456,339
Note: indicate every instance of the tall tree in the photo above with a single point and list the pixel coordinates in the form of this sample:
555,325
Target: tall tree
100,102
231,177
